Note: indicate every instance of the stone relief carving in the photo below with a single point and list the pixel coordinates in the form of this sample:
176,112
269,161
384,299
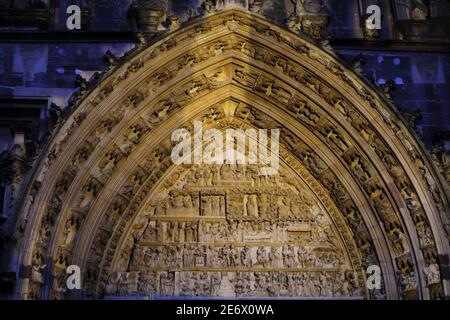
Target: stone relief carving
413,205
232,284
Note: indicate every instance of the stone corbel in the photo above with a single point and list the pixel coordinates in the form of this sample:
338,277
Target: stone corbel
36,16
12,164
311,17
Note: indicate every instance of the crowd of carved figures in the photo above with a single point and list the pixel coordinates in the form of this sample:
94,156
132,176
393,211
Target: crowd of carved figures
233,284
207,256
141,182
196,245
177,238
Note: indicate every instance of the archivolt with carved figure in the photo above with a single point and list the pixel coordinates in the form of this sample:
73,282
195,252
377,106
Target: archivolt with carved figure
354,188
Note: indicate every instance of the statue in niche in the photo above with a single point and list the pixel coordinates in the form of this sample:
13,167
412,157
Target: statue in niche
188,256
206,176
89,195
246,259
432,274
425,234
174,231
208,253
419,10
71,230
219,205
251,206
113,284
162,256
264,206
275,257
231,255
321,229
288,256
167,283
216,281
191,232
301,257
400,242
235,206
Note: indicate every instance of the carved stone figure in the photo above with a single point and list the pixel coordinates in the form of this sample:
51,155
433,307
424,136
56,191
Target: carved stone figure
167,284
432,274
246,259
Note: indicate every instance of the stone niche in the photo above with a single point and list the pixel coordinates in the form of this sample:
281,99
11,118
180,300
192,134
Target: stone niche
418,20
29,15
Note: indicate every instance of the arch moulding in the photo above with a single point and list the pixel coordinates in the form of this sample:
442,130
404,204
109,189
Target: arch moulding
354,189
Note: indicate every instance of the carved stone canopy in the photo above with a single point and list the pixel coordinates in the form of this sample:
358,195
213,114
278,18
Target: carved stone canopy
39,18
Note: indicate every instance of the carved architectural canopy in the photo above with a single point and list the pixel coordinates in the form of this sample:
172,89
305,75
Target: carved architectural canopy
354,188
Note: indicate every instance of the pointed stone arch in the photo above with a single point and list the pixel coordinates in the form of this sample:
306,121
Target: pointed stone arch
340,141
